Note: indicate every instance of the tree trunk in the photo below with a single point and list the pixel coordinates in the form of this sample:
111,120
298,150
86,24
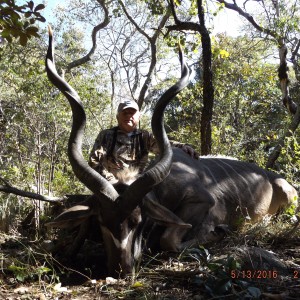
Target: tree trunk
208,89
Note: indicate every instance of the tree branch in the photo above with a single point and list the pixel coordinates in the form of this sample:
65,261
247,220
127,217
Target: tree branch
67,199
295,52
152,40
235,7
284,79
179,25
100,26
138,28
9,189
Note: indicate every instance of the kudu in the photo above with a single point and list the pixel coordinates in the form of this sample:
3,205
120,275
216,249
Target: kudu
189,199
118,215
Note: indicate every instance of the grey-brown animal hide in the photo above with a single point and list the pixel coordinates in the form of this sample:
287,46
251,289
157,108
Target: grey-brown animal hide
214,191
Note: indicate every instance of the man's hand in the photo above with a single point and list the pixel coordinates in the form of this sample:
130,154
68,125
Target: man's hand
190,151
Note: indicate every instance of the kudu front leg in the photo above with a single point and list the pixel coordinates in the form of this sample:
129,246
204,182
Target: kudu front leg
79,240
197,211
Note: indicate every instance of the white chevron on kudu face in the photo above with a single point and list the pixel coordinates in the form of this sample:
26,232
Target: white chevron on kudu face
120,244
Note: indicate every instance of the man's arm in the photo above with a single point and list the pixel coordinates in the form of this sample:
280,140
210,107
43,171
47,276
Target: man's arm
185,147
97,151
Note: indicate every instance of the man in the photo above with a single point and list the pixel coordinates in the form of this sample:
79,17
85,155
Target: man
125,146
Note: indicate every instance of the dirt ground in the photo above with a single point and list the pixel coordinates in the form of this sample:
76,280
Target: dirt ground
254,264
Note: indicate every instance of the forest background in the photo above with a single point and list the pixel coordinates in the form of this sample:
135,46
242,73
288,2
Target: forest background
242,101
237,103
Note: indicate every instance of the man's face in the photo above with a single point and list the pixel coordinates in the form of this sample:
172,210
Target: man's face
128,119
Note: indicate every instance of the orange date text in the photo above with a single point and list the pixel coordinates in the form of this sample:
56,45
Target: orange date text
254,274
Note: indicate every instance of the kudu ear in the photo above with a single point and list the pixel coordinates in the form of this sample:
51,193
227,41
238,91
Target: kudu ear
72,217
161,215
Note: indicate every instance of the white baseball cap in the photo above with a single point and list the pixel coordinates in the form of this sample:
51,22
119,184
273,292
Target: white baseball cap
127,104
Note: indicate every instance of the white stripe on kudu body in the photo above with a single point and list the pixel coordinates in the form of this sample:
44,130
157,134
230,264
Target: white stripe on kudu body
220,162
250,188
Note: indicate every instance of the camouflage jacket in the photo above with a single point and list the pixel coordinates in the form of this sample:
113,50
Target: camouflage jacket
115,150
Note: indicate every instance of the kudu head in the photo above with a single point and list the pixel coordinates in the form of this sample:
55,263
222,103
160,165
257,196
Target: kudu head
119,214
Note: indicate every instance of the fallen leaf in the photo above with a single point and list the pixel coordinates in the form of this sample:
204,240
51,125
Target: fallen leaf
137,284
21,290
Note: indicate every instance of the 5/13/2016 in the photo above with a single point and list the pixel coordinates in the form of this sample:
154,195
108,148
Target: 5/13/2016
259,274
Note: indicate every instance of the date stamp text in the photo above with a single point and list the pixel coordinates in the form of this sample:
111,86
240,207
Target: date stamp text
260,274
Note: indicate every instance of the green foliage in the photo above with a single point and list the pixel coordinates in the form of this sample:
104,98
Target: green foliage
291,150
36,119
183,117
157,7
245,111
292,209
288,164
283,18
246,121
18,21
225,276
222,270
24,272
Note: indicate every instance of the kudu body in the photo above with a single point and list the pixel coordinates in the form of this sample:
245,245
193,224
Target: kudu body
214,191
187,198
